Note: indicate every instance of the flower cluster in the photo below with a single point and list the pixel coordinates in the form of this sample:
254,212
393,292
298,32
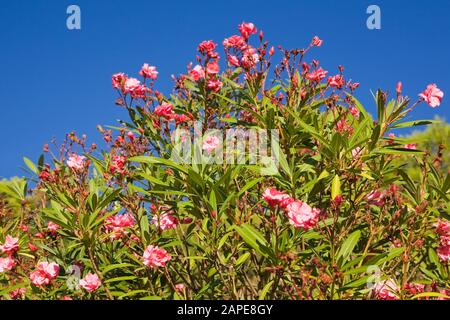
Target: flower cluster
131,221
299,213
443,229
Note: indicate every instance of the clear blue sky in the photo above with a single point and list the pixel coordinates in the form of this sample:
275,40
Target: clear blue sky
54,80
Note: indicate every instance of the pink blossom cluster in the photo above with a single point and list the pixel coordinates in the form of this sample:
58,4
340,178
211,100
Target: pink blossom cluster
117,225
443,229
239,52
210,144
299,213
10,246
376,197
44,273
90,282
210,69
76,162
155,257
118,165
386,290
165,110
132,86
165,221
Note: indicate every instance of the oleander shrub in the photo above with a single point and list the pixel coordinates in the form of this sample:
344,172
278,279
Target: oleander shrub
329,211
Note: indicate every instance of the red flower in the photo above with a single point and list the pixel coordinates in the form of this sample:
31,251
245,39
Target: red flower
317,75
336,81
234,42
212,68
316,41
247,29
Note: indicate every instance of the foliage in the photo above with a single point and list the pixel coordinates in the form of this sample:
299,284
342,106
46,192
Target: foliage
367,221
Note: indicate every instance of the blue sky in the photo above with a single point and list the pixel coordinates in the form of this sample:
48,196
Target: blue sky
54,80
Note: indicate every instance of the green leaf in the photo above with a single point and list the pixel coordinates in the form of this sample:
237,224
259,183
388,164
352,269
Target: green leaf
31,165
264,291
254,239
415,123
153,160
242,259
116,266
335,187
397,151
430,294
348,246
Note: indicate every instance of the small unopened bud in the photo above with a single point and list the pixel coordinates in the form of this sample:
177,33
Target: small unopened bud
187,220
337,201
399,88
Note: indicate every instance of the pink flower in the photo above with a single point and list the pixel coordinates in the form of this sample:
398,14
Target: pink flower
233,60
148,72
164,110
411,146
443,227
432,95
212,68
90,282
6,264
117,224
118,164
343,127
76,162
118,79
165,221
316,41
211,143
39,278
214,85
444,253
139,92
181,118
356,152
234,42
206,46
197,73
354,111
317,75
336,81
50,270
302,215
131,84
274,197
247,29
250,57
52,227
131,136
11,244
414,288
155,257
445,292
375,197
17,293
385,290
179,287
